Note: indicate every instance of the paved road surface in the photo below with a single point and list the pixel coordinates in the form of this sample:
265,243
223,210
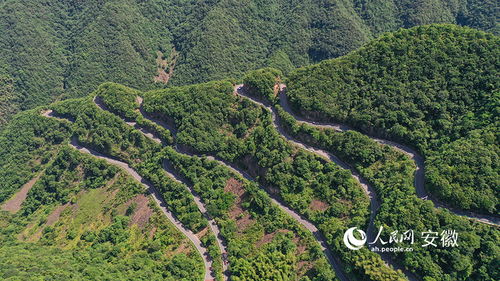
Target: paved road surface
159,201
308,225
171,173
156,196
416,157
368,189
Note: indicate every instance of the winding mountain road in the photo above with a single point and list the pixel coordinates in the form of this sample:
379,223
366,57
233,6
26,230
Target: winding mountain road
211,222
415,156
367,188
172,174
305,223
157,197
334,261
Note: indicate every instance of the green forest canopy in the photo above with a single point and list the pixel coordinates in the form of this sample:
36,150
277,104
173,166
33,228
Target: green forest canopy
433,87
52,49
452,119
210,119
258,234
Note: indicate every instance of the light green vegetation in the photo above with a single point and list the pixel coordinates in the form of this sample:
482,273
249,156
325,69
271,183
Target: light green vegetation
88,220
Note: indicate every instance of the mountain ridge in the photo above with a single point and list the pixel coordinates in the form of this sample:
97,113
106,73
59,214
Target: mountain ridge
60,49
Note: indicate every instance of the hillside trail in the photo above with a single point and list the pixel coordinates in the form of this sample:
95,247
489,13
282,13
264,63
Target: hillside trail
419,182
173,175
367,188
157,197
333,261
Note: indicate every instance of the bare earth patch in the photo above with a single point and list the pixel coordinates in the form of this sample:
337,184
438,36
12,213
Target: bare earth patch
165,66
276,89
142,211
301,247
317,205
236,187
202,232
304,266
269,237
152,232
14,204
51,220
237,213
54,216
183,248
242,222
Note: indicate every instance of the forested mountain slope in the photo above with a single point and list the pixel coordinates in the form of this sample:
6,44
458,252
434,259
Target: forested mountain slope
50,48
81,218
389,168
263,241
432,87
101,223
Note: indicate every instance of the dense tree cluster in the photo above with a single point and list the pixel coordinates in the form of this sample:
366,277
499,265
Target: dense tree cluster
124,101
263,83
391,173
25,143
211,119
119,99
433,87
8,104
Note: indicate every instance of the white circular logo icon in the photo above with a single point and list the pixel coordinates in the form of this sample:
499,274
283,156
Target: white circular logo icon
352,242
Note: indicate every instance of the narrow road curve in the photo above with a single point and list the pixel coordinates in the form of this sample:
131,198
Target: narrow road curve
171,173
156,196
334,262
211,222
367,188
414,155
